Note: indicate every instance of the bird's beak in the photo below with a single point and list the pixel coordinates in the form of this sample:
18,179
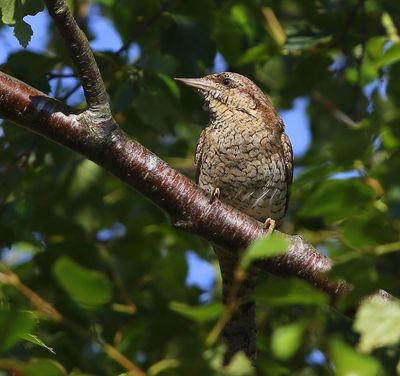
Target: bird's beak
198,83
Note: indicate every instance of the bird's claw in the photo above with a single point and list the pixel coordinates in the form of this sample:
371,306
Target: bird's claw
214,195
269,225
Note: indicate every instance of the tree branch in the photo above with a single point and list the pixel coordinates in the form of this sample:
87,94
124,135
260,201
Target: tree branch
188,206
95,134
81,54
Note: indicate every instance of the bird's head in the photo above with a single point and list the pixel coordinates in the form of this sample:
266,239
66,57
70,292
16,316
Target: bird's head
228,92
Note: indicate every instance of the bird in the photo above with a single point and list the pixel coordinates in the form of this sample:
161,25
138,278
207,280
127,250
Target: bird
245,159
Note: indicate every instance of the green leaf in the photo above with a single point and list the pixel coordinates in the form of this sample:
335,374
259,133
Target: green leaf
14,326
303,36
171,85
23,32
29,7
286,340
348,362
13,13
7,10
272,245
253,54
37,341
279,291
390,56
200,313
390,27
240,365
375,46
86,286
240,14
378,323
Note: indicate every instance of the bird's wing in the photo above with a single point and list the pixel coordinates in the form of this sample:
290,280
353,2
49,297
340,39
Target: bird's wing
288,158
199,153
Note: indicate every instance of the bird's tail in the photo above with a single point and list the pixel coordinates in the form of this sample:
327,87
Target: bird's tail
240,331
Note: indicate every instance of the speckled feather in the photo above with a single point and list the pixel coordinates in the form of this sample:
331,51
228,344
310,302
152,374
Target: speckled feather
245,153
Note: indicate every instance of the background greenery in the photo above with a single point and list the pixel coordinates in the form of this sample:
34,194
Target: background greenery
108,260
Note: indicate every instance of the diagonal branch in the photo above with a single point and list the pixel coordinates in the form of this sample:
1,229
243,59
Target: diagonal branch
95,134
188,206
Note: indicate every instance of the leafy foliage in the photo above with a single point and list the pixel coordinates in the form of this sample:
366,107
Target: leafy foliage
13,12
108,260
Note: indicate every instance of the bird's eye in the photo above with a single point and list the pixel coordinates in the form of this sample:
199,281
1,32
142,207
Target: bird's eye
226,81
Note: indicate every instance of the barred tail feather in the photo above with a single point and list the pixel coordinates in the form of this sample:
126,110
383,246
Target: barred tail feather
240,332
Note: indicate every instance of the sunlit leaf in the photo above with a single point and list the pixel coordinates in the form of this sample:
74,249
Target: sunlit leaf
390,56
378,322
349,362
286,340
272,245
37,341
200,313
7,10
240,366
13,13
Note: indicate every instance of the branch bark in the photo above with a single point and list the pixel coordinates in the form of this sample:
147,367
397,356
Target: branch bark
81,54
188,206
95,134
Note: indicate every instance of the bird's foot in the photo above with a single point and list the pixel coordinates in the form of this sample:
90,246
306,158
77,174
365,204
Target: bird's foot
269,225
214,195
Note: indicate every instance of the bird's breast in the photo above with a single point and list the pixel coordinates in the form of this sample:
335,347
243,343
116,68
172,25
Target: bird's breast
246,164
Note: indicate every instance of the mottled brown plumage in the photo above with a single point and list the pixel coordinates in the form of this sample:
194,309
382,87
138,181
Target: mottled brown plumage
247,156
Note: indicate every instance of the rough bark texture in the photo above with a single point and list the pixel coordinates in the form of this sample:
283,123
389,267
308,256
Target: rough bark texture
94,134
80,53
188,206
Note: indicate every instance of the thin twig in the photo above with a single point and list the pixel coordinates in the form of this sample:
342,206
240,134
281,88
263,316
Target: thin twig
336,112
69,93
52,76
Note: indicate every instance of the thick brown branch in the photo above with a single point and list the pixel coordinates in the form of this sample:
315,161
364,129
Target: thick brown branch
144,171
80,53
